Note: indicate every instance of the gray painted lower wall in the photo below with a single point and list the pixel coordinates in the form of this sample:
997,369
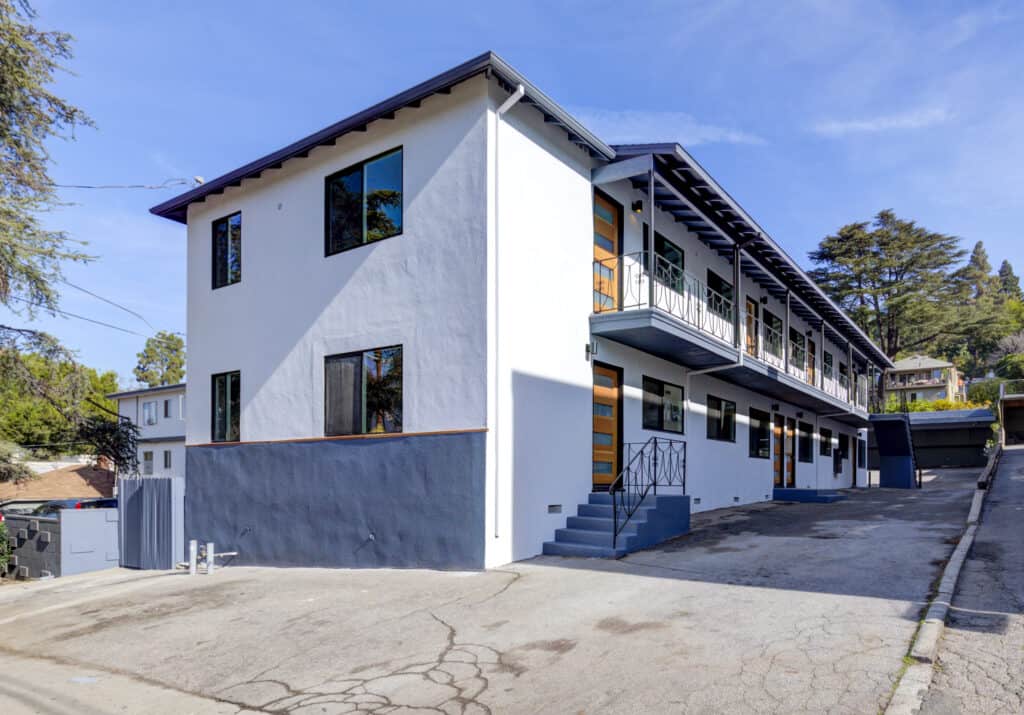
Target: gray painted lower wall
35,546
410,502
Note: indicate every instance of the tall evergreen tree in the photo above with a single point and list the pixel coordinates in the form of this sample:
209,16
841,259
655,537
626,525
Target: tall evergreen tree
977,274
1009,283
891,275
162,360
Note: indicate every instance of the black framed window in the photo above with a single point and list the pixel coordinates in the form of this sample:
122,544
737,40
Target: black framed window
363,203
719,295
227,250
167,408
167,459
363,392
798,346
825,448
147,463
844,446
663,406
760,434
772,333
721,419
225,406
805,442
669,260
862,453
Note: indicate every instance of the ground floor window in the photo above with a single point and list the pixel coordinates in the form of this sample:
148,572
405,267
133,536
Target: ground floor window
226,406
363,392
760,434
147,462
721,419
862,453
826,442
663,406
167,459
844,446
805,442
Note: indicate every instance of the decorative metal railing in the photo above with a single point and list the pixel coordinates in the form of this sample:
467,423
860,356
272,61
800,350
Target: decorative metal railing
1011,387
656,462
676,292
622,283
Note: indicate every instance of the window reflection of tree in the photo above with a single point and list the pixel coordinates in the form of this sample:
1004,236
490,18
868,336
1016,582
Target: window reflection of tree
382,370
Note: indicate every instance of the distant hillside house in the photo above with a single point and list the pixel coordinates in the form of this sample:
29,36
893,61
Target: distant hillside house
921,378
159,413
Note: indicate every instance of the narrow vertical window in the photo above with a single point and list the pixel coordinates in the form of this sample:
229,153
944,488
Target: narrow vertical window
721,419
167,459
363,392
227,250
363,203
825,436
147,463
759,441
149,413
167,409
226,407
805,442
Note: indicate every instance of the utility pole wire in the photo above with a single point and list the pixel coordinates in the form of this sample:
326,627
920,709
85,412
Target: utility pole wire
194,181
90,320
109,302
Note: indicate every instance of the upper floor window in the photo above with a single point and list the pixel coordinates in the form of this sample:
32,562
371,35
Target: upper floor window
227,250
827,364
225,407
772,334
363,203
719,296
167,408
663,406
669,260
149,413
363,392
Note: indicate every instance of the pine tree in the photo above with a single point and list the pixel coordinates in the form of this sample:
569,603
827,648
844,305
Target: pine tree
162,360
1009,284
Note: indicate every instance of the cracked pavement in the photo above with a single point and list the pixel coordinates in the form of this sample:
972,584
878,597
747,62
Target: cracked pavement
981,657
774,608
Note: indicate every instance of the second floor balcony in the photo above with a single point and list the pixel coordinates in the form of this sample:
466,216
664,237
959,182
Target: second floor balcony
682,319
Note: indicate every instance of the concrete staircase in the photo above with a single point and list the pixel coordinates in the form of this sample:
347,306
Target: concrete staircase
813,496
589,533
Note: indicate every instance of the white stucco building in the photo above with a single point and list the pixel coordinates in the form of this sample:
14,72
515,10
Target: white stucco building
426,334
159,414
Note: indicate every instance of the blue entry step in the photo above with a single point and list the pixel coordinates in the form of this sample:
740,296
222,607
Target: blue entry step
589,533
813,496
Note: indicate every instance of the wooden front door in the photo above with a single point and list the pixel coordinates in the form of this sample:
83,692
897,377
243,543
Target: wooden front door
778,458
812,360
790,452
752,326
607,218
607,403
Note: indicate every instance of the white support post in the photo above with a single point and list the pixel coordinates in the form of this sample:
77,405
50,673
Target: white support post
209,558
785,336
650,239
193,557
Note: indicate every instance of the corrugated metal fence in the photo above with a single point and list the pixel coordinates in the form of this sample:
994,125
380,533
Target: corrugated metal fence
152,511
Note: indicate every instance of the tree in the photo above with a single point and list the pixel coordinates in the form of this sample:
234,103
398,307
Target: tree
977,274
31,256
162,360
1009,284
890,275
1011,367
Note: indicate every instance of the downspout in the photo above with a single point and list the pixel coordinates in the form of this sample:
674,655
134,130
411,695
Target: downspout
512,100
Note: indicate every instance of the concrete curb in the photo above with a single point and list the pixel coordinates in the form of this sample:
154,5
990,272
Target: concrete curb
916,679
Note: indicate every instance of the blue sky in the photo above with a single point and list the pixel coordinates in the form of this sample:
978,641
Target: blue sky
812,113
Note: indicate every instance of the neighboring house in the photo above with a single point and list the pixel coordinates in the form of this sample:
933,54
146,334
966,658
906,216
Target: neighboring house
424,334
921,378
159,413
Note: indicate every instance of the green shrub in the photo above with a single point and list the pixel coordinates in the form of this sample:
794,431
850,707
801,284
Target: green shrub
5,549
12,470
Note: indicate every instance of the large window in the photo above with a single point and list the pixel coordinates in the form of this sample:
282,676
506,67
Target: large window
805,442
825,448
772,334
663,406
719,296
363,392
227,250
760,434
149,413
225,407
669,260
721,419
364,203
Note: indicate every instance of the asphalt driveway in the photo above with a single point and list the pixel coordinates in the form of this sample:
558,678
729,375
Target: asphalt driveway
777,608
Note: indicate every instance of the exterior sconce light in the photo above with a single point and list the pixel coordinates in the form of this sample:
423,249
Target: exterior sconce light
775,407
637,206
764,300
800,415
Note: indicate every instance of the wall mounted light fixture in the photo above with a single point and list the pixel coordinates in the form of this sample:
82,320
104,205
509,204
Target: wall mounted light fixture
637,206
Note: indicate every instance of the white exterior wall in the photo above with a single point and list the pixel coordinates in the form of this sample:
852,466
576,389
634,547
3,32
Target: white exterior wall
156,438
540,382
423,289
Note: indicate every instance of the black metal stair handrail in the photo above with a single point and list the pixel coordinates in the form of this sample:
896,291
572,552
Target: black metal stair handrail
656,462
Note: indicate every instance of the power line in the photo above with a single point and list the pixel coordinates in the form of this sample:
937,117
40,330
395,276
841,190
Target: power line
109,302
66,314
194,181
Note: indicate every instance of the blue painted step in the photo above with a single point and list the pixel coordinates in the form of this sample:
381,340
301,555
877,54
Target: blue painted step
589,533
813,496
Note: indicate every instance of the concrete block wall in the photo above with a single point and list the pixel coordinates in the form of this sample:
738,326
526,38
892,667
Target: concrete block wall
35,546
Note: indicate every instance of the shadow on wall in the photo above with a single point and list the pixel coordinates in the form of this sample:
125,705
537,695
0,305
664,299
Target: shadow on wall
879,543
